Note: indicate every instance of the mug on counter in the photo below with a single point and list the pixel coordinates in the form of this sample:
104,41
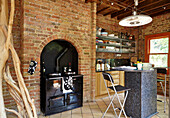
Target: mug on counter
139,66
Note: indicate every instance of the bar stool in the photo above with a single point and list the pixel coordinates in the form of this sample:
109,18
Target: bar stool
116,89
164,72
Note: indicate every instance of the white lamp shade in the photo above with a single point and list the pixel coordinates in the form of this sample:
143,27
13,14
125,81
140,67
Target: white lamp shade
135,20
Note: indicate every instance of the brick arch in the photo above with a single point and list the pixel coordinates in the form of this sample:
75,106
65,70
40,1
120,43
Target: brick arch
66,38
55,37
83,68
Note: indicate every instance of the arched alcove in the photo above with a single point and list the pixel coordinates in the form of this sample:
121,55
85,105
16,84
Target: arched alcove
61,89
58,54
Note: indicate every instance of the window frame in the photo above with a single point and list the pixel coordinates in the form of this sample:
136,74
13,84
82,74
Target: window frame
147,45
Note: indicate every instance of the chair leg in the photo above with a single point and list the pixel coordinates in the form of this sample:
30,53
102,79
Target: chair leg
113,106
164,96
111,102
110,98
122,105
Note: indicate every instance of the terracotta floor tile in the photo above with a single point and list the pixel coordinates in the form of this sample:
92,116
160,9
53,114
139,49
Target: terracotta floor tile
66,112
97,114
86,106
87,115
92,103
86,110
155,116
76,111
94,110
55,115
66,116
94,106
86,103
77,116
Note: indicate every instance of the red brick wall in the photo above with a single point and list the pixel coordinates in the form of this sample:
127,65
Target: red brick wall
39,22
45,21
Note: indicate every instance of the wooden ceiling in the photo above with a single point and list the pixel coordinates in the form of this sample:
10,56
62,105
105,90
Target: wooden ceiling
124,8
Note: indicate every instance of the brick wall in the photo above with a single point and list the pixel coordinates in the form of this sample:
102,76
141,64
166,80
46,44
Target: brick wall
44,21
37,22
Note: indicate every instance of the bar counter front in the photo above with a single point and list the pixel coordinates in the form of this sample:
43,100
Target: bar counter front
142,98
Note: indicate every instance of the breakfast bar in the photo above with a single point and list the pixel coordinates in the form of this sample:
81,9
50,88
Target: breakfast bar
142,98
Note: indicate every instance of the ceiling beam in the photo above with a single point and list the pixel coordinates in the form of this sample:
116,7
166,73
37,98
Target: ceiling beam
86,1
153,10
103,9
128,8
163,4
160,13
147,7
108,4
159,10
116,3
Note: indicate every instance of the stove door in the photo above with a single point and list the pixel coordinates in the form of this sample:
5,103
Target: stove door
73,98
57,101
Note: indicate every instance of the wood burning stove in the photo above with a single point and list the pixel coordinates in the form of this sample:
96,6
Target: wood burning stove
61,87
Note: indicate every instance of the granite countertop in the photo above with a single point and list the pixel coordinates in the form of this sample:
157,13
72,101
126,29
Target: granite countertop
139,70
128,70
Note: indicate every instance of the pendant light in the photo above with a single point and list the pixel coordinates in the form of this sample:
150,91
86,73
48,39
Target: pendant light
135,20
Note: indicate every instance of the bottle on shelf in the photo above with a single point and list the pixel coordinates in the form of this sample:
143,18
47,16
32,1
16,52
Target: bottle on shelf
121,35
98,66
102,66
65,69
43,67
126,36
130,37
69,67
133,37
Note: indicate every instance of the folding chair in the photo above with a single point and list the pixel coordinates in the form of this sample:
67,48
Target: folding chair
164,72
116,89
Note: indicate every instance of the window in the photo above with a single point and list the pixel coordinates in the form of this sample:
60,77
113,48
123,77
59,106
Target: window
157,49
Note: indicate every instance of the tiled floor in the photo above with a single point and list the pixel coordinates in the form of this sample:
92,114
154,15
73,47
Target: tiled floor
97,108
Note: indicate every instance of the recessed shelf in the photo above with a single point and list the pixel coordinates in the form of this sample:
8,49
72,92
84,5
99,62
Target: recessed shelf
113,38
121,44
113,45
112,51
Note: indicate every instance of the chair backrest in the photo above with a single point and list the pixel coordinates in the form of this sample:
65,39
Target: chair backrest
162,70
108,77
